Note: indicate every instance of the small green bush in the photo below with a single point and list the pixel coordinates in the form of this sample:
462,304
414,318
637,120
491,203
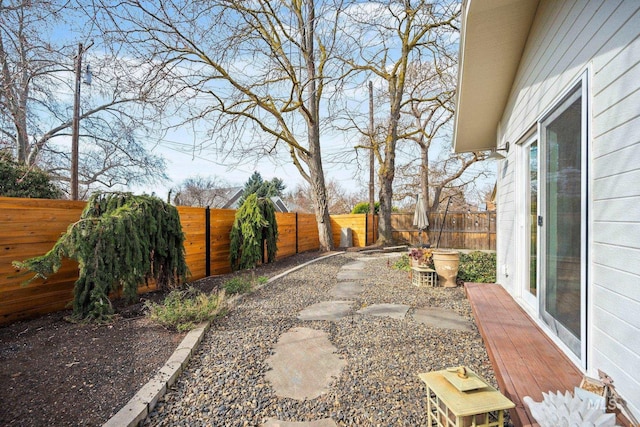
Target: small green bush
477,267
402,264
183,309
363,208
242,285
18,180
237,285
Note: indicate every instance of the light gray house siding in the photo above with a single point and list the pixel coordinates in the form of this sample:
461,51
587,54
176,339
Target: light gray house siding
567,39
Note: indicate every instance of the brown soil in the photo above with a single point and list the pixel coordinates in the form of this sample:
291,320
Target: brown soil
53,372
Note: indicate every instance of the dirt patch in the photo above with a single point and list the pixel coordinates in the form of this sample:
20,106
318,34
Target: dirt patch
58,373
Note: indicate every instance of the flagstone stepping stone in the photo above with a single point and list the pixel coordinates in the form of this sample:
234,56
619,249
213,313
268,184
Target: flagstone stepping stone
350,275
347,290
441,318
325,422
395,311
304,364
326,310
359,265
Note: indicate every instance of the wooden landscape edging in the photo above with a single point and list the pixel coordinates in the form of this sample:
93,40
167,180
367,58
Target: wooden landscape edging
30,227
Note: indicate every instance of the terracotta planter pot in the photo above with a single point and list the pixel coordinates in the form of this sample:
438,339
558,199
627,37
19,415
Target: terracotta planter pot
446,263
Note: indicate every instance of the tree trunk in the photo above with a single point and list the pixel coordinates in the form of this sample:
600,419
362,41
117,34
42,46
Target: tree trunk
388,169
385,232
321,206
424,176
22,139
316,172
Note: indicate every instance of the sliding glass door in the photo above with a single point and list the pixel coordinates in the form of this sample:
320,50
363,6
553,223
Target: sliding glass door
562,221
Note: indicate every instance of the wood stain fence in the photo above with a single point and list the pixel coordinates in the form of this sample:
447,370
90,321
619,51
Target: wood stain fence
30,227
460,230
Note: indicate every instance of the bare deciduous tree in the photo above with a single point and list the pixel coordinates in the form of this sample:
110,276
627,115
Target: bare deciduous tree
36,91
256,71
429,116
340,200
202,192
388,37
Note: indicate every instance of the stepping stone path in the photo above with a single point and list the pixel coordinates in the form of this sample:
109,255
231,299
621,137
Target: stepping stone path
304,362
441,318
303,365
326,310
347,290
349,275
394,311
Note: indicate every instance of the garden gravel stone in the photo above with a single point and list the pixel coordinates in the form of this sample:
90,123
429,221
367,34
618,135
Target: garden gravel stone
327,422
225,383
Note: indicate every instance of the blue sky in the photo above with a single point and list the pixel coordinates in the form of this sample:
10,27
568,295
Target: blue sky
186,158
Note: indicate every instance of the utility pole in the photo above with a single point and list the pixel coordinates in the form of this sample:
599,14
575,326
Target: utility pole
372,203
75,125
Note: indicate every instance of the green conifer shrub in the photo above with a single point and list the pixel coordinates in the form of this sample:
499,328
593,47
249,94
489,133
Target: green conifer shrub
120,242
254,224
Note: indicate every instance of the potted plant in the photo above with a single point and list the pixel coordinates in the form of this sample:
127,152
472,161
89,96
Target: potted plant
422,272
421,257
446,263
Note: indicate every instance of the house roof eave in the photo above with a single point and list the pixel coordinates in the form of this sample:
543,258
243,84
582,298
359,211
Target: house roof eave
492,40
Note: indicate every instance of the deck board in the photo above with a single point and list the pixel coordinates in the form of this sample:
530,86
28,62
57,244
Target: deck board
525,360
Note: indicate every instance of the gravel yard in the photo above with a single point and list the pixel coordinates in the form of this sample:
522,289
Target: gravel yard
225,384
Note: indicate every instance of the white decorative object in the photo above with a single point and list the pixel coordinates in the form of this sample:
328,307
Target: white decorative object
566,410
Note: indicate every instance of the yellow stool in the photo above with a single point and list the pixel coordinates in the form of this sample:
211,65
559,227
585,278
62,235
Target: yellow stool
453,401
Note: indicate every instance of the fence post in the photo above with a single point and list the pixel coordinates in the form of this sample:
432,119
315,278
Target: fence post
296,232
366,230
207,241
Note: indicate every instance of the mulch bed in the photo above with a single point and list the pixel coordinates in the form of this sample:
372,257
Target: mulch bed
58,373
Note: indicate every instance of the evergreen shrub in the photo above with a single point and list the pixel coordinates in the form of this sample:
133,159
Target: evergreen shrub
18,180
120,242
254,228
477,266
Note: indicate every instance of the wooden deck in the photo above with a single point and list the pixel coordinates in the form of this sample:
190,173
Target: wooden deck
525,360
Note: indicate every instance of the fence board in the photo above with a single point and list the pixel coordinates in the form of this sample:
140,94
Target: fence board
192,220
220,226
286,234
308,239
459,230
32,226
357,223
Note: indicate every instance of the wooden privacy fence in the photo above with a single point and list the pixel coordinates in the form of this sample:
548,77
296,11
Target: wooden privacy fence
30,227
460,230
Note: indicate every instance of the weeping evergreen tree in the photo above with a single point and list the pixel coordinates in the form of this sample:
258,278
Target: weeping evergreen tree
255,224
120,242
